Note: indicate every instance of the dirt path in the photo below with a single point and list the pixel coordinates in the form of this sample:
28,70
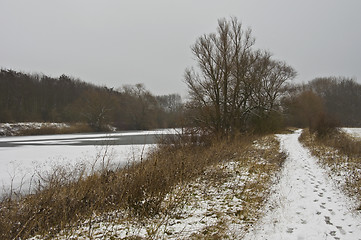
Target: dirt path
305,204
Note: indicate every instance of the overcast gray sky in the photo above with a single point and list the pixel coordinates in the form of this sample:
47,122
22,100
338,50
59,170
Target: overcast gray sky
116,42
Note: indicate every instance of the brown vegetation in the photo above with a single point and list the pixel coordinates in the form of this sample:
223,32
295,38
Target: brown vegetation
331,100
342,98
64,198
48,130
342,154
307,109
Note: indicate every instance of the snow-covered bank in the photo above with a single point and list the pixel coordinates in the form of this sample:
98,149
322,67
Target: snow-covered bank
219,204
354,132
21,165
306,204
11,129
22,158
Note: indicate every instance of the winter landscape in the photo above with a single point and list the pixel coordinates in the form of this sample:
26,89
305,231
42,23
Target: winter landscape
152,120
305,201
23,158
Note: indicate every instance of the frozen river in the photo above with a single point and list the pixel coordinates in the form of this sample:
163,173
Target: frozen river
23,159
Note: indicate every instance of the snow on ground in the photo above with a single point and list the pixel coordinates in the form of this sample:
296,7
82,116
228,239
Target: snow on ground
305,203
207,208
221,204
10,129
19,166
22,158
355,132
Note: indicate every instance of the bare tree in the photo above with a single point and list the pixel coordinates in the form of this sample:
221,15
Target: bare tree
96,108
233,81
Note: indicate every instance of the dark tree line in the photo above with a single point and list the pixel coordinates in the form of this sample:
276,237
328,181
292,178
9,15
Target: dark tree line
35,97
331,99
342,98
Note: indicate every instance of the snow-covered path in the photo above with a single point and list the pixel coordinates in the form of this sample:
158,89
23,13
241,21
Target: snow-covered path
305,204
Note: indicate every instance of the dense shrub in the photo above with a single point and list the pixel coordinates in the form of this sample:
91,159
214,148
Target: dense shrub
324,125
269,123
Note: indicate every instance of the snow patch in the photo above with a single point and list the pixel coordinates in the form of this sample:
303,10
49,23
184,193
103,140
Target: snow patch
354,132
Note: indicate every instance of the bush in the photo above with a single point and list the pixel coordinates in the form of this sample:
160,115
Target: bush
50,130
324,125
270,123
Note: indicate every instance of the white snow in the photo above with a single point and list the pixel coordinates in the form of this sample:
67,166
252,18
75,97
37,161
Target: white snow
21,164
305,203
355,132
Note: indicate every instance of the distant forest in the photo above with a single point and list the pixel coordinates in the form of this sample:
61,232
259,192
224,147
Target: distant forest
39,98
336,98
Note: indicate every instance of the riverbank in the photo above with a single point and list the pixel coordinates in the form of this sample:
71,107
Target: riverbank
156,186
41,128
23,158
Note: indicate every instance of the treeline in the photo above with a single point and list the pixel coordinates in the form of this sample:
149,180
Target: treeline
39,98
324,102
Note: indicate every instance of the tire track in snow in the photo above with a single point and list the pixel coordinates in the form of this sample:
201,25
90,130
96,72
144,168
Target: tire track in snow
305,204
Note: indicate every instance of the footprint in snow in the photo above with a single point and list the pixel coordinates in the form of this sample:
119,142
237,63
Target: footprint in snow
310,183
331,211
343,232
328,220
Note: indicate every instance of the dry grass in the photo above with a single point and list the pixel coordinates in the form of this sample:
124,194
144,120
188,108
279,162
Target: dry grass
47,130
342,154
258,166
141,191
138,187
220,202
